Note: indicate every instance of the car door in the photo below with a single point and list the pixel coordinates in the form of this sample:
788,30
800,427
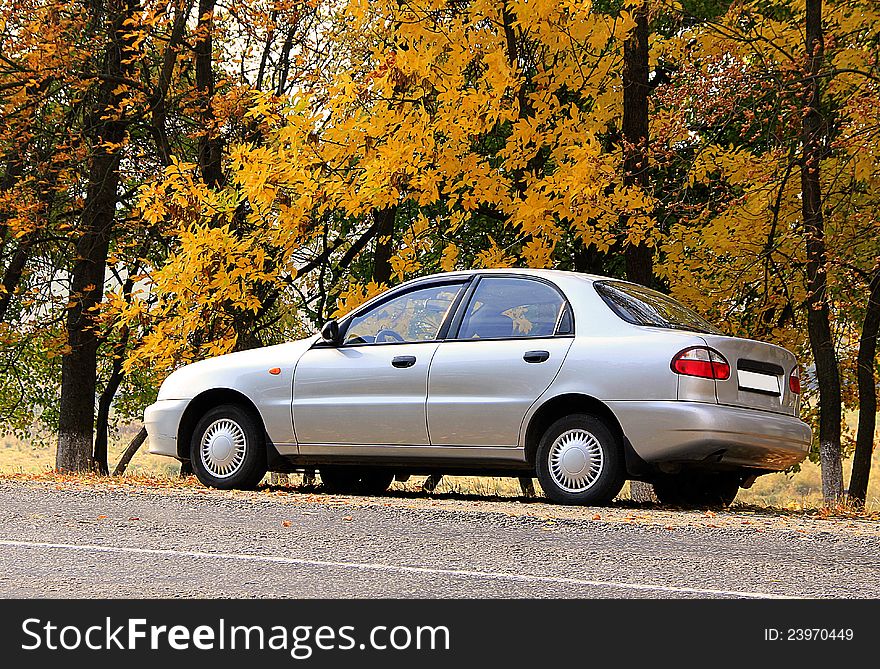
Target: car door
513,336
371,390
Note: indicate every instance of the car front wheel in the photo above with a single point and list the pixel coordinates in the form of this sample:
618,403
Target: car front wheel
579,461
228,449
697,488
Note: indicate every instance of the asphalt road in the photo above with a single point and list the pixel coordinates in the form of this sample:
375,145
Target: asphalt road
129,541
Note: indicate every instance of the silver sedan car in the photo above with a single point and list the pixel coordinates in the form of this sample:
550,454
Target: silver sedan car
583,381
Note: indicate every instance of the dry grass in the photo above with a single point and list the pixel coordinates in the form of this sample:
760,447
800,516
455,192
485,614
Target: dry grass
37,455
803,490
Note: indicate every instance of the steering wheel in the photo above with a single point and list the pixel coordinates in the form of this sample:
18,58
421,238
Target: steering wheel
382,336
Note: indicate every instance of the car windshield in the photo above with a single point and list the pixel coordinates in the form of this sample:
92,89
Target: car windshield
642,306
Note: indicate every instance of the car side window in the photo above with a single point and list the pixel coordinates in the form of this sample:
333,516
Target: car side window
511,307
412,317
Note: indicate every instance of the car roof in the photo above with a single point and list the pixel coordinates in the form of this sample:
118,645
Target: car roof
525,271
560,278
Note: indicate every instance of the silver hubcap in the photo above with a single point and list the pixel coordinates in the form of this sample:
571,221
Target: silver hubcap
223,448
576,460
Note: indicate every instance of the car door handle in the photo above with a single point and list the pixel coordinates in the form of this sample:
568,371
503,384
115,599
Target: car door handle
401,361
536,356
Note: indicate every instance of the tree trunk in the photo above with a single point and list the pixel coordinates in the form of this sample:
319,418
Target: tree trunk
13,274
102,421
133,447
159,96
818,313
384,244
587,259
210,145
639,257
79,362
105,401
861,470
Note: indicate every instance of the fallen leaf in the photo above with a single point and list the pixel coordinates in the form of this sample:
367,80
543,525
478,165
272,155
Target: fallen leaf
347,518
285,523
101,517
134,518
596,516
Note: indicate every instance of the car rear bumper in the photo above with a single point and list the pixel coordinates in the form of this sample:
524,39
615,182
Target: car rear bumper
698,432
162,421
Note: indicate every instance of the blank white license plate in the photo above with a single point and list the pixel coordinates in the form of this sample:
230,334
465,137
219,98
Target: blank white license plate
762,383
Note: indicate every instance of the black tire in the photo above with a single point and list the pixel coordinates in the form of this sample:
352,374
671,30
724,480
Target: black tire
239,424
604,484
352,480
697,489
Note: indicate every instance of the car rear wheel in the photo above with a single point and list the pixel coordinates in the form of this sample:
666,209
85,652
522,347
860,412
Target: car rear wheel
355,480
697,488
228,449
579,461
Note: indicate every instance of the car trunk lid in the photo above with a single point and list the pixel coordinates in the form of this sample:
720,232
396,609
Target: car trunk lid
759,375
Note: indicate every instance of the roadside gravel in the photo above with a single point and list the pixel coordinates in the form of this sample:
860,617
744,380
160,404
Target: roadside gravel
67,536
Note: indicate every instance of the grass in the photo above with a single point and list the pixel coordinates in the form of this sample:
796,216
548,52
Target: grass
804,489
798,491
37,454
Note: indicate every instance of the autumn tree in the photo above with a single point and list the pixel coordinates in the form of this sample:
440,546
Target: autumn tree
467,127
183,179
790,222
126,90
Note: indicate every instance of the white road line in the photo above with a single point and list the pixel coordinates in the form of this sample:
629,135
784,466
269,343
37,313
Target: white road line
369,566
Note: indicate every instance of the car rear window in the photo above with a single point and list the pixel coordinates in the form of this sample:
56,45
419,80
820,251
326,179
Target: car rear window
643,306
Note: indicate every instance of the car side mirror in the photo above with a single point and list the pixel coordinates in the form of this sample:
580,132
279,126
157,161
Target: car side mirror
330,332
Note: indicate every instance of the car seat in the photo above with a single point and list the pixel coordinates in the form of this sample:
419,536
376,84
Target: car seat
487,326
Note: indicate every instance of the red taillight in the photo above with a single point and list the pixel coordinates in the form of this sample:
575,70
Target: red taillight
705,363
794,382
